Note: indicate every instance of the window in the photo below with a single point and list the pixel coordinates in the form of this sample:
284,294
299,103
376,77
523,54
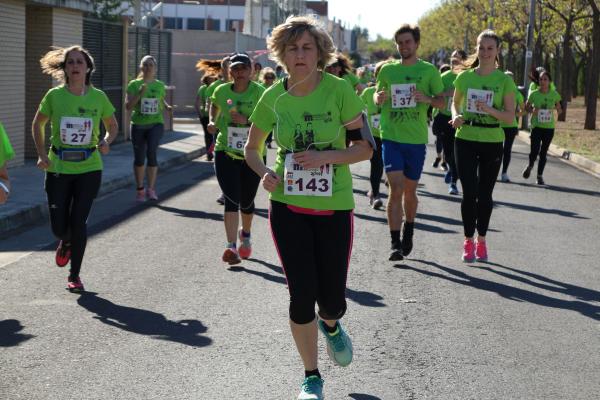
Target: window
173,23
195,24
232,22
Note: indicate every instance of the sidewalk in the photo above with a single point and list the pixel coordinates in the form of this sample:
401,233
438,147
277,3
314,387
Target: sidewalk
27,203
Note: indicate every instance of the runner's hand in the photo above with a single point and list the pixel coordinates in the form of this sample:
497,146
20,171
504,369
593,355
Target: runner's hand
211,128
238,118
3,196
482,106
43,162
457,121
270,180
143,89
422,98
310,158
381,97
103,147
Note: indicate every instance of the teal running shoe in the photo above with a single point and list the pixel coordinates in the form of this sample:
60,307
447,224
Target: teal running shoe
339,345
311,389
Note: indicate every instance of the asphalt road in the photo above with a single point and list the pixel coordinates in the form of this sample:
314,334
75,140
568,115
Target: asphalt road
163,318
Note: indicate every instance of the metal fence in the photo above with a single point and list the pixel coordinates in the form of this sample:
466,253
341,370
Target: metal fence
157,43
104,40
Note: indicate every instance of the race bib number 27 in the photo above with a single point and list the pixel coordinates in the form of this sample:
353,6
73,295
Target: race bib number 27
75,131
149,106
307,182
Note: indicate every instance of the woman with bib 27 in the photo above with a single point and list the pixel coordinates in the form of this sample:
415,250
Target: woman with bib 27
146,97
311,113
73,165
484,96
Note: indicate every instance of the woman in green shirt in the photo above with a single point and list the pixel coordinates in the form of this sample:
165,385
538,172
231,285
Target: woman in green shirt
484,97
312,114
146,100
231,106
541,103
342,68
73,165
6,153
202,111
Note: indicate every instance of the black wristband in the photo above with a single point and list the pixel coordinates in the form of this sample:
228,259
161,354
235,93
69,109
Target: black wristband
353,134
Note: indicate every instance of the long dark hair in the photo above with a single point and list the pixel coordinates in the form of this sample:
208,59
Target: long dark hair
54,62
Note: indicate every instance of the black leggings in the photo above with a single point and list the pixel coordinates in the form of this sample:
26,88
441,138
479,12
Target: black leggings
540,143
509,139
441,123
315,252
145,140
478,164
70,198
238,182
208,138
376,168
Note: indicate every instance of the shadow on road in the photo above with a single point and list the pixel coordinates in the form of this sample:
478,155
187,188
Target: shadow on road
9,333
362,396
506,291
144,322
418,225
190,213
552,285
363,298
562,189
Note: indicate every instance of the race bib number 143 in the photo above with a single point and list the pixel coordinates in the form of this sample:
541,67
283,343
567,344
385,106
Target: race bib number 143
307,182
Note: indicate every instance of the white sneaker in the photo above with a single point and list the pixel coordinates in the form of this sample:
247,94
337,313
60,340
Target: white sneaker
505,177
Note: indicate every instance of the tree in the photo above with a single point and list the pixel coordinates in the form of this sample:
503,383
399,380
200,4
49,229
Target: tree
594,75
108,10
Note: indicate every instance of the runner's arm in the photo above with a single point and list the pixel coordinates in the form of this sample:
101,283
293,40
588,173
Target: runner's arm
256,138
37,130
457,118
6,182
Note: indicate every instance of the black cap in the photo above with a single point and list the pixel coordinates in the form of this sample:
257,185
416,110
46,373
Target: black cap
238,59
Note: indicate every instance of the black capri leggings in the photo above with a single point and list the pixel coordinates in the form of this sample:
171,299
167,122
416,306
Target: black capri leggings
509,139
238,182
145,139
208,138
70,198
540,143
446,132
376,168
478,164
315,253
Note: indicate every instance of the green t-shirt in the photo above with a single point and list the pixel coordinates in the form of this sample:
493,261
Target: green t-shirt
351,79
78,117
6,150
244,103
313,121
149,109
402,119
519,101
546,103
448,78
492,88
202,96
373,111
211,88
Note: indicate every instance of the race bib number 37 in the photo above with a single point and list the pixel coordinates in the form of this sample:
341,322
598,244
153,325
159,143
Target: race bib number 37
475,95
403,95
149,106
307,182
76,131
236,137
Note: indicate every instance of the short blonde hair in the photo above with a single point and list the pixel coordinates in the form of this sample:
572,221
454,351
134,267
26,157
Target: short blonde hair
291,30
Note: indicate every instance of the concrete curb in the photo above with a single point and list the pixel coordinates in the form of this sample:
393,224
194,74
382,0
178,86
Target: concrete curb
34,213
576,160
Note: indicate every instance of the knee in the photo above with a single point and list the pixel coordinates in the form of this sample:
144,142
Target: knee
247,210
302,311
152,159
332,309
231,206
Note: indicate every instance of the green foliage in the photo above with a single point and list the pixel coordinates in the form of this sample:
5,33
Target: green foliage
381,48
107,10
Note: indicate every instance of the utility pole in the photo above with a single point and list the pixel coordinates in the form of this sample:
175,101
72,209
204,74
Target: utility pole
528,53
492,15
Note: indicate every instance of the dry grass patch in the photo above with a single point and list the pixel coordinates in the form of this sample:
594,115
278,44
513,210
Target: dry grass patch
571,135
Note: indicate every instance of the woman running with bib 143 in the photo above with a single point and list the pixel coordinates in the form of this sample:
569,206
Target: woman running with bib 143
312,113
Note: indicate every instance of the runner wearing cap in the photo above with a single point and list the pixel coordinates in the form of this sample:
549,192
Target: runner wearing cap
202,111
231,105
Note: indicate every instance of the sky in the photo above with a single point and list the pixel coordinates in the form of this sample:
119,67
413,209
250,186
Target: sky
379,16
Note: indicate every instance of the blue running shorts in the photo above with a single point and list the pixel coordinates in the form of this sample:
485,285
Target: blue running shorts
408,158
